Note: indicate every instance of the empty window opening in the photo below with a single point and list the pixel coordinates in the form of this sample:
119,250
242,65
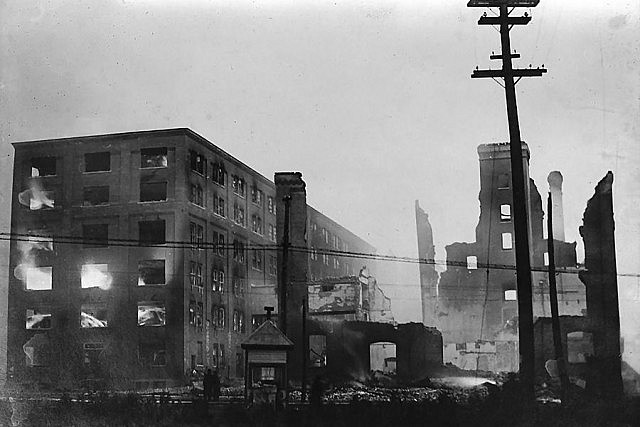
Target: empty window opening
472,262
218,173
382,357
152,354
510,295
151,272
151,314
200,359
218,355
152,232
579,346
38,278
38,318
318,351
239,365
96,276
197,195
37,351
507,242
505,213
95,196
217,280
197,162
95,235
219,206
504,181
153,191
159,357
195,275
93,316
153,157
97,162
93,355
43,166
218,315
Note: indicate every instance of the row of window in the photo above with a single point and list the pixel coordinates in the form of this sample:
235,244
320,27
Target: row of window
95,316
331,239
149,355
150,272
155,157
330,260
37,198
238,183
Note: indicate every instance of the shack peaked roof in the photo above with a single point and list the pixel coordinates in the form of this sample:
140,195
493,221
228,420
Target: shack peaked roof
267,336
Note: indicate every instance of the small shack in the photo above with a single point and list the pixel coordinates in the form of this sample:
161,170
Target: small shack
266,353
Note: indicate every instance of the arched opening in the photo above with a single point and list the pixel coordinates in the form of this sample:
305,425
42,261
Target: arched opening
382,357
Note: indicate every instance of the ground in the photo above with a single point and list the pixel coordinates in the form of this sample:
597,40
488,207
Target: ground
440,404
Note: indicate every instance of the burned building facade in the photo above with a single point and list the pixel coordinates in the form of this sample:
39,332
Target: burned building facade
476,307
137,258
349,323
591,343
427,268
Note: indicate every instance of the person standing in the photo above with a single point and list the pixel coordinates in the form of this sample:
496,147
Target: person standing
208,385
215,385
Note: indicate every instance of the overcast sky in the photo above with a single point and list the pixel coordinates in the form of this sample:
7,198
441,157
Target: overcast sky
370,100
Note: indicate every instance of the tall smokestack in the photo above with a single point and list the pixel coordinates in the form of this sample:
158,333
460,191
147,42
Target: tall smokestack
555,187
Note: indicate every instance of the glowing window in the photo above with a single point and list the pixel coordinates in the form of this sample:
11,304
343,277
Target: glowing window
511,295
505,212
39,278
507,242
96,276
472,262
546,258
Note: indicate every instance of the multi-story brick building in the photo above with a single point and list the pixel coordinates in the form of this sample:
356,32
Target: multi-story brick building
137,257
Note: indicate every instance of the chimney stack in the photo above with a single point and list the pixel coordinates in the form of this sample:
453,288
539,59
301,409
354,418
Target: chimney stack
555,187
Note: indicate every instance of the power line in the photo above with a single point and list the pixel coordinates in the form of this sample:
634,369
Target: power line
200,245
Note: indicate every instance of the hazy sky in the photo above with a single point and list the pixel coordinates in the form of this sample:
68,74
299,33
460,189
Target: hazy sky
370,100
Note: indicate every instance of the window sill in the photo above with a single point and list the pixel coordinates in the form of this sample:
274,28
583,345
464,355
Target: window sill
153,167
95,172
152,201
95,206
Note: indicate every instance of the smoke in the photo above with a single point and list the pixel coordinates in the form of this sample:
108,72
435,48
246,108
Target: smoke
27,271
36,197
96,276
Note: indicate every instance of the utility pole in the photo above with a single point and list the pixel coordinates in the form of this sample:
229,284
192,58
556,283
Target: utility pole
284,278
520,220
553,299
305,350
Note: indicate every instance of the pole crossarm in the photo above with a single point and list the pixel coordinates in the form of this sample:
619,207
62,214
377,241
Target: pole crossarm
511,20
512,56
517,72
507,3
